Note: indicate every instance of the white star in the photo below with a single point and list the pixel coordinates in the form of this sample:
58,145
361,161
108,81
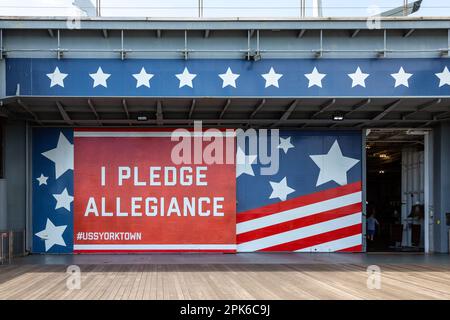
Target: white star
52,235
229,78
42,179
444,77
100,78
63,200
244,163
333,165
57,78
272,78
143,78
358,78
62,156
280,189
285,144
315,78
401,78
186,78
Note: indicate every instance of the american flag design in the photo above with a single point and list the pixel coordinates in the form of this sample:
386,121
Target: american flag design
52,203
294,78
313,203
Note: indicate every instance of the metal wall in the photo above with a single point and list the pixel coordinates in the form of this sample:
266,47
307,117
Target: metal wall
15,174
340,39
224,43
441,167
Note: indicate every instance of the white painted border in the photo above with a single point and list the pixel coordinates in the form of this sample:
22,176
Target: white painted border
94,247
150,134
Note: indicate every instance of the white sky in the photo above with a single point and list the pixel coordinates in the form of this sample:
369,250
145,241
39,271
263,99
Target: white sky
214,8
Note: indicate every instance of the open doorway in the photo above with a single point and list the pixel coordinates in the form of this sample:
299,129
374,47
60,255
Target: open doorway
395,190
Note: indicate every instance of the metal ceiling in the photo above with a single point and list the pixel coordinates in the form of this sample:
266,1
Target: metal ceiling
236,112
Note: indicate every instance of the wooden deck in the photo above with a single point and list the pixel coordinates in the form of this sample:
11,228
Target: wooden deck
251,281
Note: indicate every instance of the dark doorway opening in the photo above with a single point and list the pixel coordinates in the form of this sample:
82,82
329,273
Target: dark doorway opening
395,191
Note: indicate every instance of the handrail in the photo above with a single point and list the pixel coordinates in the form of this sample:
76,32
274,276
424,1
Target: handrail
7,241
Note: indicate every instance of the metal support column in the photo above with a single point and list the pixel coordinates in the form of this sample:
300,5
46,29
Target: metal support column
122,50
302,8
1,44
200,8
185,52
364,188
98,9
28,191
428,192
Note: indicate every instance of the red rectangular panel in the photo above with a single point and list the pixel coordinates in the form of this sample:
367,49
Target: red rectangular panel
131,197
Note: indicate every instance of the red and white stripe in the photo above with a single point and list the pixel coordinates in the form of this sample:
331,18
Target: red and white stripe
325,221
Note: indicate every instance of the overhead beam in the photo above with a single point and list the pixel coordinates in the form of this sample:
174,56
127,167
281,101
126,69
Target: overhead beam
301,33
289,110
358,106
64,114
324,107
423,107
408,33
388,109
191,109
240,121
94,111
443,115
159,113
125,108
27,109
287,113
258,107
224,109
354,33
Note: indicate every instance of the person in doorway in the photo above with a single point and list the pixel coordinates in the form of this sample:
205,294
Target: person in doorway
372,224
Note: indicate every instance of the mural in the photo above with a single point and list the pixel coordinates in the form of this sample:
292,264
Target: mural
131,190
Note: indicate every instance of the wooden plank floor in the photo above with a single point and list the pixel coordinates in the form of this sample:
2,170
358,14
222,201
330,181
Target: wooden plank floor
251,281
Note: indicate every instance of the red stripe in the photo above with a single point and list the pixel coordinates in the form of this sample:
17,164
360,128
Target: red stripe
317,239
298,223
298,202
357,248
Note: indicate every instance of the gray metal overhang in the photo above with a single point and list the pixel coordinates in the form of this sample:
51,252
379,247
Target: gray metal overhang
229,112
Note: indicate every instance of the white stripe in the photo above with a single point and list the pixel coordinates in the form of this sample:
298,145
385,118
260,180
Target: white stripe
154,246
300,233
157,134
335,245
299,212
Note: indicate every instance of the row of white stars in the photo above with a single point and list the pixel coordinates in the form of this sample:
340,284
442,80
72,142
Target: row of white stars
333,167
229,78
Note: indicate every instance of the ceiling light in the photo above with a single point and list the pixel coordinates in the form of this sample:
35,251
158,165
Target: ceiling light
142,118
338,117
416,132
